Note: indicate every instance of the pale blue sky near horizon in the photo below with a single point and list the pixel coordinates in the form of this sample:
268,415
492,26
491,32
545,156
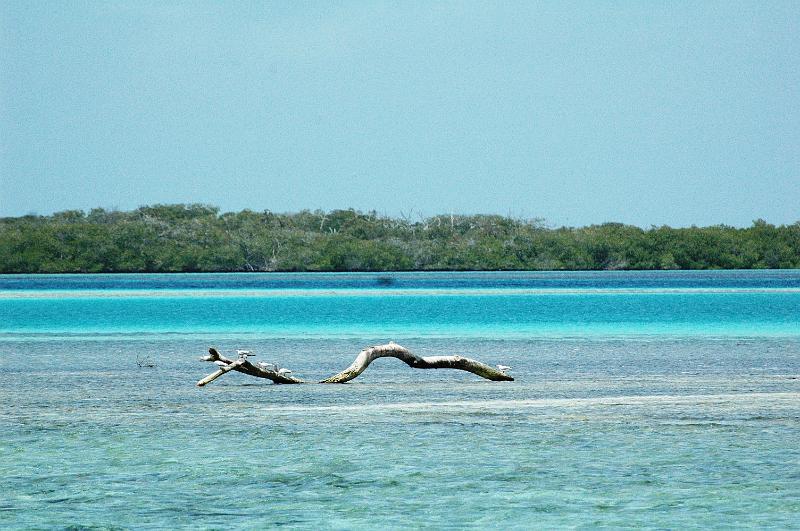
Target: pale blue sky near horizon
646,113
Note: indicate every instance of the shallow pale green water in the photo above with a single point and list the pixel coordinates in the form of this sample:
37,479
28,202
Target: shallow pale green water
654,403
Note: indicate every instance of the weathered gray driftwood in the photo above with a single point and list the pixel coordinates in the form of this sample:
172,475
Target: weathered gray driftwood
242,365
393,350
362,361
225,368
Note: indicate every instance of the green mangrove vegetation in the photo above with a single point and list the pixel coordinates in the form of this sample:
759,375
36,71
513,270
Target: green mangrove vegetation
195,237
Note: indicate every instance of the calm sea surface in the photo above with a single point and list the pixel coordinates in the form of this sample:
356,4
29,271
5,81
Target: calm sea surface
642,399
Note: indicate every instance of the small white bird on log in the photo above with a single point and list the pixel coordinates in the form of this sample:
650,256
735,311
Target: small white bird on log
284,372
503,368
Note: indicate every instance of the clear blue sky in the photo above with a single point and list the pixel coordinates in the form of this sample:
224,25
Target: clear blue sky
670,112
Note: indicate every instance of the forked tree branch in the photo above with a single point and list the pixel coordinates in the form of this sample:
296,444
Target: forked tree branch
242,365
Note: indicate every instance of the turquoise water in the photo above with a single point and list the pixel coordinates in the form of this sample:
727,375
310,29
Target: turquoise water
659,399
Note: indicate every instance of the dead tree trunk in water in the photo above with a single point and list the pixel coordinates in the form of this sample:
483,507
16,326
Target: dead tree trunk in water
393,350
362,361
242,365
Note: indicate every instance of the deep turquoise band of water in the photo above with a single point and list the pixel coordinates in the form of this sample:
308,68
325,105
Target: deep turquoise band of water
411,315
653,400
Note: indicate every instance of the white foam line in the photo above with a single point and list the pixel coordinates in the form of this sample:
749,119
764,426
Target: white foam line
497,405
587,335
346,292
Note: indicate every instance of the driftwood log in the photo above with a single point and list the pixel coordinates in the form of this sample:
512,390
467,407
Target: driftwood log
242,365
393,350
362,361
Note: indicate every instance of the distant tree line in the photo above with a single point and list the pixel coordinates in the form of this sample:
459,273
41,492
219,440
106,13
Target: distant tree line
166,238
